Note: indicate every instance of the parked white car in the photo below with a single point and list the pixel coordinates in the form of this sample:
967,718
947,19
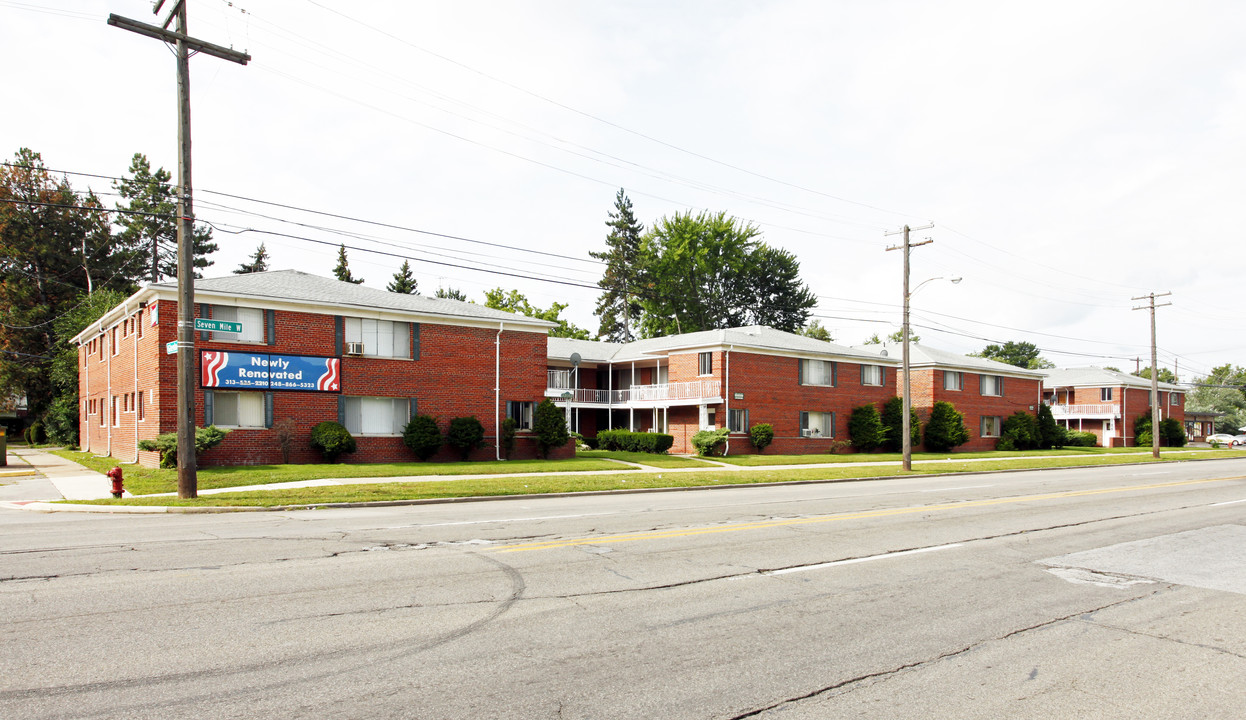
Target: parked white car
1223,439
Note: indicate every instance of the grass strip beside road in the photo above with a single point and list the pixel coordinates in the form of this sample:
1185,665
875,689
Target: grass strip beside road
145,481
650,459
758,460
564,483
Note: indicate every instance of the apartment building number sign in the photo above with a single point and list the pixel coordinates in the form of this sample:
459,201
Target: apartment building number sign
262,371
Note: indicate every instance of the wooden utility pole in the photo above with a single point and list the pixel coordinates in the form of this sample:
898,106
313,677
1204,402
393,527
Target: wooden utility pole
906,424
187,479
1154,371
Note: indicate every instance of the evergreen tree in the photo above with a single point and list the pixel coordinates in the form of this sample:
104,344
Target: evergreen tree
865,428
946,428
550,425
404,281
151,225
259,262
893,420
618,307
450,294
342,271
1050,433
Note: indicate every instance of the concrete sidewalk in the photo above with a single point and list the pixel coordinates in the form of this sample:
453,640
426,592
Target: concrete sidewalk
41,476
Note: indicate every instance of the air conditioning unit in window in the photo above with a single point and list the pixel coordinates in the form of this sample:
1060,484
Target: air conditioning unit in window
355,348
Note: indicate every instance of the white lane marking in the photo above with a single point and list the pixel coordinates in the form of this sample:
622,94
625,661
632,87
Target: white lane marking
1231,502
499,520
862,559
962,487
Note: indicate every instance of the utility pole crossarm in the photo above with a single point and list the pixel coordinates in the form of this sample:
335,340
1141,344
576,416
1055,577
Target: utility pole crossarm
172,36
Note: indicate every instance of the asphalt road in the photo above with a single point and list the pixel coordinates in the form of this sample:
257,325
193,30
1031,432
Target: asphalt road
1101,593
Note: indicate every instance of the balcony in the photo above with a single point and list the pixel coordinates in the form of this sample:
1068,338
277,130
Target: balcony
1101,411
678,393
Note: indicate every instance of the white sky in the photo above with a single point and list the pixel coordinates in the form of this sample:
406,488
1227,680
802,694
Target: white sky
1072,155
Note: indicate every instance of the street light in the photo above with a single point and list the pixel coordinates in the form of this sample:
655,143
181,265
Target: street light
906,424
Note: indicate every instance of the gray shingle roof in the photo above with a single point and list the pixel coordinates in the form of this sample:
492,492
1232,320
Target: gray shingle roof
921,355
1099,377
756,337
293,285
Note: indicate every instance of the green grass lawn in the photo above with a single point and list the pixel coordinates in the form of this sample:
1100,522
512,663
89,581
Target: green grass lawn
564,483
650,459
145,481
759,460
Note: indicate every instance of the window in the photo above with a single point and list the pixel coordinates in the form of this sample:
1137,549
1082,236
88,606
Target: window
113,341
953,380
521,413
140,399
112,411
375,415
705,363
1174,398
709,417
1105,394
817,424
252,320
818,372
991,425
238,409
138,321
872,374
737,420
382,338
991,385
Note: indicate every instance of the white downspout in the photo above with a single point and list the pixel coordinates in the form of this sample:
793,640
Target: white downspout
111,410
727,397
497,392
631,406
138,321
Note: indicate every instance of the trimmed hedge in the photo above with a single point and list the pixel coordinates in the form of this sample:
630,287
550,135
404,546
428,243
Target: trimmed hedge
628,441
1077,438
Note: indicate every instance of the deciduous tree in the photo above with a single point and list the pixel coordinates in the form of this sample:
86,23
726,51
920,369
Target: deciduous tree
515,301
1022,354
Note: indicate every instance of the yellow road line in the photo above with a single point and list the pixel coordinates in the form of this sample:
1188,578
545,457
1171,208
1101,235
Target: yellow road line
689,532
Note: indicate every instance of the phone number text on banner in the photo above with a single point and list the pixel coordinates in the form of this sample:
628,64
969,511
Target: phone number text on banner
261,371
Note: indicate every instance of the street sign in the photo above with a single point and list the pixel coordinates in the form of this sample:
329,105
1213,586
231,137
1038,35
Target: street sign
170,348
218,325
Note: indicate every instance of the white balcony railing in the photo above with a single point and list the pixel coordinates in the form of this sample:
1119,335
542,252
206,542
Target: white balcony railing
558,379
1101,410
694,390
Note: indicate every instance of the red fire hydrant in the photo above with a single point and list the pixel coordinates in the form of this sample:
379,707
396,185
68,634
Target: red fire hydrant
117,479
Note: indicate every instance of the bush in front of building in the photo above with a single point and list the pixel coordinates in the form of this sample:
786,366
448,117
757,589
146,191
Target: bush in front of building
465,435
628,441
506,436
1077,438
1051,434
865,428
422,435
761,435
332,440
945,429
1171,434
709,442
550,425
34,434
1020,432
892,418
205,439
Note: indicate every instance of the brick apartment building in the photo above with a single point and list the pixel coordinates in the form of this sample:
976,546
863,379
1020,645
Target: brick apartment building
1107,402
985,391
738,377
311,349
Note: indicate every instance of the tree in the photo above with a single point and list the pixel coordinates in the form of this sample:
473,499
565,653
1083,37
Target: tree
618,308
816,331
422,435
55,247
1021,354
1020,432
61,418
259,262
549,424
892,418
1051,434
342,270
404,281
865,428
896,337
515,302
1165,375
761,435
1220,391
450,294
945,429
151,221
705,272
465,434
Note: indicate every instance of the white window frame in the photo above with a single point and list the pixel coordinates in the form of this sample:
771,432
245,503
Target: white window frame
953,380
819,373
705,364
824,427
996,420
1105,394
245,406
737,420
992,386
252,320
708,415
370,413
380,338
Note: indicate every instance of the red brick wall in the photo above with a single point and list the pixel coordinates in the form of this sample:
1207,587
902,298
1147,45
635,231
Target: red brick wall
1020,394
453,377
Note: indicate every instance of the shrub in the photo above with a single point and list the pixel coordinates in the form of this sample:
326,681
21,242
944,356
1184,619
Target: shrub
892,418
1143,439
761,435
506,437
206,438
865,428
1171,434
283,432
550,425
465,434
34,433
707,442
422,435
592,443
1076,438
945,429
628,441
61,420
1021,428
1051,434
332,440
1005,444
